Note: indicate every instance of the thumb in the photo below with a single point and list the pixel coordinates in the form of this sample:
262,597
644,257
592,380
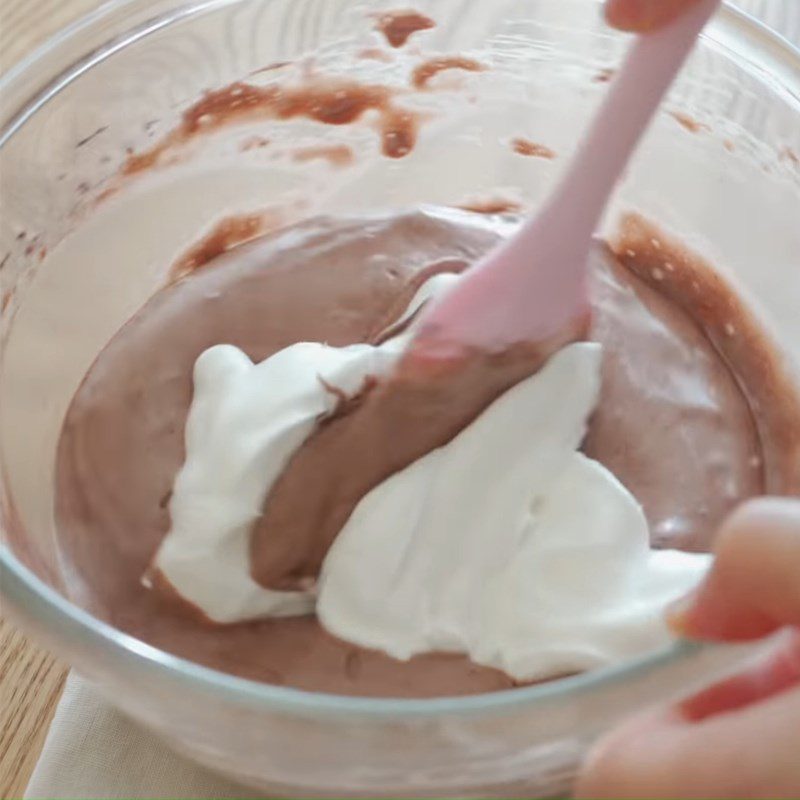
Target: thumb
641,16
751,752
753,588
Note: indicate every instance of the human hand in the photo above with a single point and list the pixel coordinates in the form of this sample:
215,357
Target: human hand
741,737
641,16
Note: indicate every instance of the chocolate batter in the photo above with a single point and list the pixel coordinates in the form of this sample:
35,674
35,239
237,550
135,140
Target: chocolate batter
673,424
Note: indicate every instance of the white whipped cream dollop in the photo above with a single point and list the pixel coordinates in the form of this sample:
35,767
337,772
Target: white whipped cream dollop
507,544
245,423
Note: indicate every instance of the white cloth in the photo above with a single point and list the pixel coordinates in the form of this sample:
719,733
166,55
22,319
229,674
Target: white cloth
92,751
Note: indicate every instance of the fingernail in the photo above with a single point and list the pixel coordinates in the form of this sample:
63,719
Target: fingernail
776,672
643,16
638,16
650,13
703,616
679,614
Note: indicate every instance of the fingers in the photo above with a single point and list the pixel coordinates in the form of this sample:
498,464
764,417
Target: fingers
772,675
641,16
740,737
748,753
753,588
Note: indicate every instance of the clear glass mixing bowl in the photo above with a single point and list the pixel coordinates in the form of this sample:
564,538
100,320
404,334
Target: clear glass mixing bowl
77,262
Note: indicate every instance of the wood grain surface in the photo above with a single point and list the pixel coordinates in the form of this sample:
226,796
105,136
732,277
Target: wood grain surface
26,23
31,680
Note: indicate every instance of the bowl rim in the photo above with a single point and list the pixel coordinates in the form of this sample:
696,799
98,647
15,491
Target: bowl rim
28,591
50,610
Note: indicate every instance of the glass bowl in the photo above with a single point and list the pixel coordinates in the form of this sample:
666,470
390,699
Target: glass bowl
83,246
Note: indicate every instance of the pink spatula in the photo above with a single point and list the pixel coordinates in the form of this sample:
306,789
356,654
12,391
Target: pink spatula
533,288
531,291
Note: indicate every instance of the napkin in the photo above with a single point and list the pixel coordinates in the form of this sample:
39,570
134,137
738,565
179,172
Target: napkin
93,751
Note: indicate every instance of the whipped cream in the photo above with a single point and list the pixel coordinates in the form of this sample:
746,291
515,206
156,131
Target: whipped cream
245,423
507,544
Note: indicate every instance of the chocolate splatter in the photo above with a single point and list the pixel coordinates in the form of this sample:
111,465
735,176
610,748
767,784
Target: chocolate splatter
337,155
398,133
688,122
253,143
107,193
144,161
375,54
91,136
527,147
491,205
605,75
271,67
423,73
332,101
227,233
399,26
787,154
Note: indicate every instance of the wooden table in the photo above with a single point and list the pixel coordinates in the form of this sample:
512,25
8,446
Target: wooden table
31,680
30,685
